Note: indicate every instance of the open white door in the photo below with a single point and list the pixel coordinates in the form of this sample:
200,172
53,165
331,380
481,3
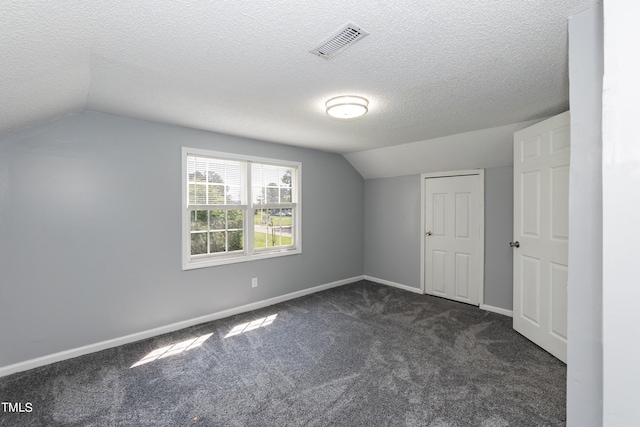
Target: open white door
453,225
541,233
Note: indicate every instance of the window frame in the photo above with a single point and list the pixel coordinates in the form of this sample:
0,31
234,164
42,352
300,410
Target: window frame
249,252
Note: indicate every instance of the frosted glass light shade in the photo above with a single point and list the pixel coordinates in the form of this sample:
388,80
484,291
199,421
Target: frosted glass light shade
347,107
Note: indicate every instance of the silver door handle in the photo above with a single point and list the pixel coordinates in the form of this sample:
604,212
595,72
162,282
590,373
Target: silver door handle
428,233
515,244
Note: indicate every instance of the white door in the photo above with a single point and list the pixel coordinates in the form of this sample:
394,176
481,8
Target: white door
454,222
541,233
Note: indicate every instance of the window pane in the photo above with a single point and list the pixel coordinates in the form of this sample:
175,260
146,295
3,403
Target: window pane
287,227
234,195
275,217
260,221
233,174
215,172
258,195
216,194
217,241
285,195
201,170
201,194
192,194
234,219
271,174
235,240
199,220
260,217
191,169
217,220
259,240
273,238
272,194
198,243
285,178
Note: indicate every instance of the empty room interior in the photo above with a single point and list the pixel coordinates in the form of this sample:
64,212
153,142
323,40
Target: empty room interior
277,213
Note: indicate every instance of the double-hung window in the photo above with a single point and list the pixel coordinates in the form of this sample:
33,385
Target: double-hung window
238,208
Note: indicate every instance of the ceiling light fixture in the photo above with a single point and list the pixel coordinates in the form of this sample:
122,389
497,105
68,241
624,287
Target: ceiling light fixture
347,106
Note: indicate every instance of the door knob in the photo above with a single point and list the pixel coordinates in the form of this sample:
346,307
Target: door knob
515,244
428,233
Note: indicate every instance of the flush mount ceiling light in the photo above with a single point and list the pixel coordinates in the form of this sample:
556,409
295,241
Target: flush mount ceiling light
347,106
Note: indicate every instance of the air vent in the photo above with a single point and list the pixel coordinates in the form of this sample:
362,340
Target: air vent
339,41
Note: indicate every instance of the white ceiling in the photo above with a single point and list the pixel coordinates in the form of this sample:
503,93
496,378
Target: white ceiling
430,68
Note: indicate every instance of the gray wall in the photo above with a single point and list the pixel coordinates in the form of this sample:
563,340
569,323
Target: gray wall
90,223
498,232
392,232
392,224
584,322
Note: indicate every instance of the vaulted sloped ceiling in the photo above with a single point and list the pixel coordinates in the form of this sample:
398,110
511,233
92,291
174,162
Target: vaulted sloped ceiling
429,68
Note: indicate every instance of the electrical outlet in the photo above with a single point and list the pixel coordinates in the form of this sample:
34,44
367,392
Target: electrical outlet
254,282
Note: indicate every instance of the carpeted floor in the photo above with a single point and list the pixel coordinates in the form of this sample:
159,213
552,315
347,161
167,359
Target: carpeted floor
358,355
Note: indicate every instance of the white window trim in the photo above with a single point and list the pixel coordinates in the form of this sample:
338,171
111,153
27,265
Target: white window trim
249,253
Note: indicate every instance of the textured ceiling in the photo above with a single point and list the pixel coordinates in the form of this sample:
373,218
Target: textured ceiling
429,68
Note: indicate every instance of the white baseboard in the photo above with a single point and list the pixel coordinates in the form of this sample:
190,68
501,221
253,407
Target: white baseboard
92,348
491,308
394,284
498,310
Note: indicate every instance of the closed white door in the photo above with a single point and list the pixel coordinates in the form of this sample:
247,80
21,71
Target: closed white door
541,233
453,244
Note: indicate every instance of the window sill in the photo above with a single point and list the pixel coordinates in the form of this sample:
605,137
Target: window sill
212,262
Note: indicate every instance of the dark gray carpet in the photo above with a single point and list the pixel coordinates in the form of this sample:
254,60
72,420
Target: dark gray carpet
358,355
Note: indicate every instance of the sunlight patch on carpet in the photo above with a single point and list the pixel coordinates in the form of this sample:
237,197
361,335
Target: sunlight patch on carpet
249,326
170,350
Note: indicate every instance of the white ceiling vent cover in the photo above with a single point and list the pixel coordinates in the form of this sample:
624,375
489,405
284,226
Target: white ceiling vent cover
339,41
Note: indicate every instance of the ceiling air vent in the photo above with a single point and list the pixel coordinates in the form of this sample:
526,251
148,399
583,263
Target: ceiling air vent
339,41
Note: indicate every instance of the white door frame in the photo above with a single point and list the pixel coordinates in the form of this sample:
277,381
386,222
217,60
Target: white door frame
423,188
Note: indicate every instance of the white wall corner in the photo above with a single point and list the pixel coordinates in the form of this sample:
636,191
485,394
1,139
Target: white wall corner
394,284
498,310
